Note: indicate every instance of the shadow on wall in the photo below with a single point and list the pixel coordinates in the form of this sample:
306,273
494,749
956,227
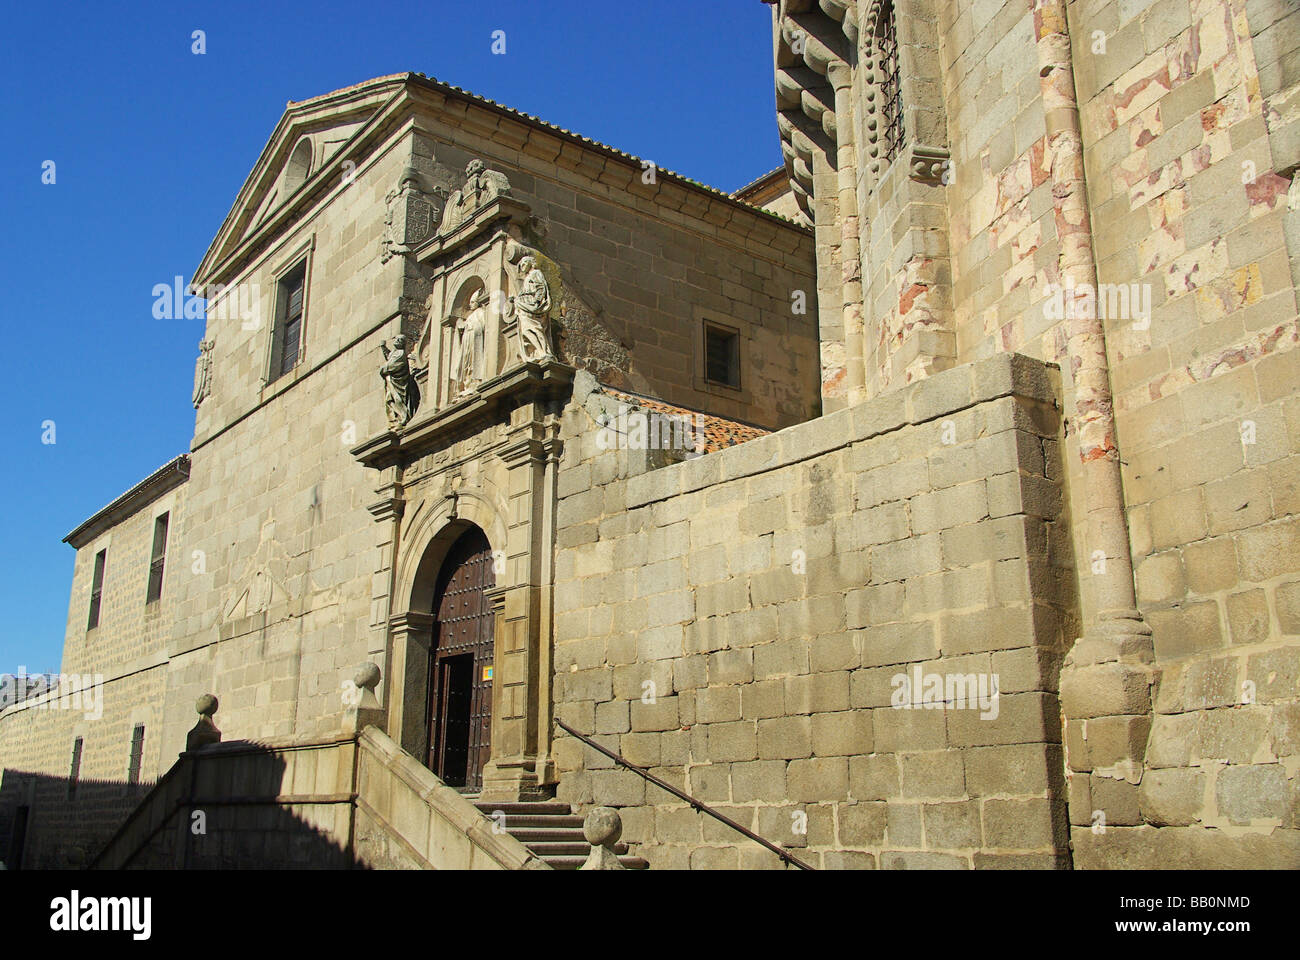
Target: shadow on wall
46,825
43,827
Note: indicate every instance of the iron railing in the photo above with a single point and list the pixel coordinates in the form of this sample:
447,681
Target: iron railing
699,805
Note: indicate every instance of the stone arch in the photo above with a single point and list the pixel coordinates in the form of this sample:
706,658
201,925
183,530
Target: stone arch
434,529
469,286
432,532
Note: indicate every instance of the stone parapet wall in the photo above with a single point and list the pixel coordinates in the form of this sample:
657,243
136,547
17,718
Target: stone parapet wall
735,623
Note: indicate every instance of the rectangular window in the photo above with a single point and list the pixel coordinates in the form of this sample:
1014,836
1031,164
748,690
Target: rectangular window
158,558
288,321
137,754
97,589
75,773
721,355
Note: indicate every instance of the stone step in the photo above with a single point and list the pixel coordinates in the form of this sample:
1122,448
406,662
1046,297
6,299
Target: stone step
526,808
573,863
580,848
552,831
556,822
540,833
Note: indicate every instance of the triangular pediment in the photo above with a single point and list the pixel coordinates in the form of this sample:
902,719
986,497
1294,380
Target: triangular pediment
309,135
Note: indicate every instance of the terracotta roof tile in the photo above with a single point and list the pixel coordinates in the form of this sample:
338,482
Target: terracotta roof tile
711,432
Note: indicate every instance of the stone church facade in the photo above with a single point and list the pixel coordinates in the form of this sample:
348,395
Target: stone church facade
930,502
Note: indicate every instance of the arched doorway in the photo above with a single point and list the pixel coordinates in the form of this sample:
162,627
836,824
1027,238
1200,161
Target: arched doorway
461,663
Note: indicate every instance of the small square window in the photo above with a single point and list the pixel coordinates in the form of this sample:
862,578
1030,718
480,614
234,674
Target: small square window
721,355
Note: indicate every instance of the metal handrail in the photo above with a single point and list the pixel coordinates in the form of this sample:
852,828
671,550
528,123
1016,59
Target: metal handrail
699,805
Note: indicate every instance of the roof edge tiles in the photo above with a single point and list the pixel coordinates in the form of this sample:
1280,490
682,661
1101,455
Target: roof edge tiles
712,433
167,477
444,87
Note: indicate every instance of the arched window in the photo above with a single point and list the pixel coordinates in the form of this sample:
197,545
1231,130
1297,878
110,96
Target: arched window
886,131
888,71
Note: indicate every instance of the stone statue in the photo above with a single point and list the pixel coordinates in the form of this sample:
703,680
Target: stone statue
533,304
401,392
468,350
482,186
203,372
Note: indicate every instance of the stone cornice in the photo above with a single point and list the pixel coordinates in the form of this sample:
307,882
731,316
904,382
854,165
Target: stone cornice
491,403
162,480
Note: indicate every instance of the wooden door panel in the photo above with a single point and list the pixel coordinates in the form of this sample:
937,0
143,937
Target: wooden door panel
460,697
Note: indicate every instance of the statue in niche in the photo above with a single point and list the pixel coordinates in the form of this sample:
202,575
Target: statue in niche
401,392
203,372
482,186
533,304
468,347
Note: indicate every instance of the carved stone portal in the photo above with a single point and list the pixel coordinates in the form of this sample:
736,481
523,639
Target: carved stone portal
482,186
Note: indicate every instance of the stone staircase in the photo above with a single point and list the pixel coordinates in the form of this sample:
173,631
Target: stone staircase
552,831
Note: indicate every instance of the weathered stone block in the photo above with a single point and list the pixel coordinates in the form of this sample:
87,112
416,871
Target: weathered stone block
1024,824
951,825
785,738
1172,797
820,778
1116,799
1256,792
874,777
927,776
843,734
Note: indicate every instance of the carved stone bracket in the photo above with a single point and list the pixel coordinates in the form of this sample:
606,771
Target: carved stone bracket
929,165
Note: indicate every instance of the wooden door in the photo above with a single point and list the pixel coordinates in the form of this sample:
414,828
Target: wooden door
460,695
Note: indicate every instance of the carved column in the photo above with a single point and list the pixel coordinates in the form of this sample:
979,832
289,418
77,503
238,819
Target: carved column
512,772
1107,677
388,511
840,75
411,642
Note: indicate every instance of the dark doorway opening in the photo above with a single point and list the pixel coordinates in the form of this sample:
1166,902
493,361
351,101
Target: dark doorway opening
18,838
460,671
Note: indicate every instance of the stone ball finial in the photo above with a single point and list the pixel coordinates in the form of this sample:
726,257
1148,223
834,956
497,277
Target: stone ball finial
206,705
367,676
602,826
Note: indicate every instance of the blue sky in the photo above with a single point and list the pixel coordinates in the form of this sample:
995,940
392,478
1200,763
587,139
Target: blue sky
151,142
